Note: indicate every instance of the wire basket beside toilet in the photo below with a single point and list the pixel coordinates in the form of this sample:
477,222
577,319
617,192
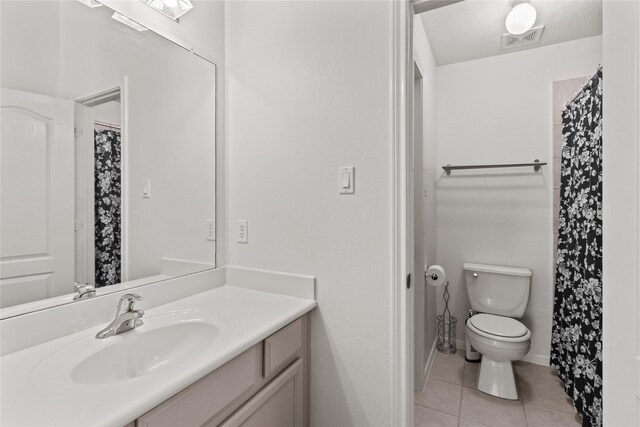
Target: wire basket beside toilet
446,334
446,341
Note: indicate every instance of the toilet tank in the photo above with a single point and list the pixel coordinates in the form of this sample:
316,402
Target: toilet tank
497,289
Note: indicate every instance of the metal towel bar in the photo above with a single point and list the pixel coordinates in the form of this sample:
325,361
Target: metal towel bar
536,164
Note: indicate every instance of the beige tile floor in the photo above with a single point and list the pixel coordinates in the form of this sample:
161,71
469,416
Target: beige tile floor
450,398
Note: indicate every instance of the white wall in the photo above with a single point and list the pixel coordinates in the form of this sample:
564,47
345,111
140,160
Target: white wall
621,227
42,33
203,30
309,90
109,112
425,296
170,132
499,110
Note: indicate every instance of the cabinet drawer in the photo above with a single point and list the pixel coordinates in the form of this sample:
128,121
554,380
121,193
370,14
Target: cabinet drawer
282,347
279,404
204,399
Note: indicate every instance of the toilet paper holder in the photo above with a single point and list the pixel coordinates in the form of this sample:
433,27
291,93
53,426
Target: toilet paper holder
434,276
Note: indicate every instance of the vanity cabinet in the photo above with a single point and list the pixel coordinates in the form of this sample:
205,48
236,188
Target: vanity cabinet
278,404
267,385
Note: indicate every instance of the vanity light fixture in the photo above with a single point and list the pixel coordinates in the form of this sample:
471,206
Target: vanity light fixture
128,22
521,18
174,9
91,3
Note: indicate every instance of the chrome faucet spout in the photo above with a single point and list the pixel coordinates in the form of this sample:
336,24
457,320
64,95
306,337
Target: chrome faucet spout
126,317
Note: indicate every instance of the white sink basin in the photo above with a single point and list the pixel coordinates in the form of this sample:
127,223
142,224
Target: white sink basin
161,342
144,352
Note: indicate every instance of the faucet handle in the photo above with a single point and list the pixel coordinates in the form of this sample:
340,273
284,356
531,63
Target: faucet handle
127,300
131,297
84,291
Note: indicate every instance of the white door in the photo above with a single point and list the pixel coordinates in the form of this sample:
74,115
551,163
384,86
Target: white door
411,267
420,332
637,308
37,197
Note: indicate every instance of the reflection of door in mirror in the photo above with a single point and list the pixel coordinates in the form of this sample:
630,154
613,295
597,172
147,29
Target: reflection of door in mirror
37,197
99,189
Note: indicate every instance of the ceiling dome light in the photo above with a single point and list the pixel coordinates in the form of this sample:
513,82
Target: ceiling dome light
521,18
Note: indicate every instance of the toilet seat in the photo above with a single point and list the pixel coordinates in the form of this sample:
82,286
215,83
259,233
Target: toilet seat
499,328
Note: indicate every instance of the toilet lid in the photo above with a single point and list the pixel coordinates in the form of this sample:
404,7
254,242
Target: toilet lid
498,325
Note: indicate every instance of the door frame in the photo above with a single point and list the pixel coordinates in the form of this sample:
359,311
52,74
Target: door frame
616,359
620,216
402,98
402,89
118,89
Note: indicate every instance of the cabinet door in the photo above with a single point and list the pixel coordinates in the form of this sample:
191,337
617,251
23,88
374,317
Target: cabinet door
279,404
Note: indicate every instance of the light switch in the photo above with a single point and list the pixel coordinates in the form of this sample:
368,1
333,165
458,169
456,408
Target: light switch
146,188
347,183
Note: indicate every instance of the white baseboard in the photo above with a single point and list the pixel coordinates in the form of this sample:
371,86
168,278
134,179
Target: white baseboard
537,359
427,368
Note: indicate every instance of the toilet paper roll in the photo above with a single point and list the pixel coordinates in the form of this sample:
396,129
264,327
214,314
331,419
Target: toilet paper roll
436,275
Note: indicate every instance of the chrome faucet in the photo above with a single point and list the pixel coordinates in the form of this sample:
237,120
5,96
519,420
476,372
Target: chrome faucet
84,291
126,317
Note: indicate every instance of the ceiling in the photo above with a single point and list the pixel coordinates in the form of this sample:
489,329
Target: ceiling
472,29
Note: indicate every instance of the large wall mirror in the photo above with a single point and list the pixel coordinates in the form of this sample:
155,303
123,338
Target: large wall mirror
107,155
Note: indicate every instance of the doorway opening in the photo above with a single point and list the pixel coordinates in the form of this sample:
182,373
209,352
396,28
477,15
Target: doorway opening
101,173
494,109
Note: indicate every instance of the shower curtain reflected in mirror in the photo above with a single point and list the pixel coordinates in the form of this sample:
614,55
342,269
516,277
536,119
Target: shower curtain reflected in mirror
576,347
108,225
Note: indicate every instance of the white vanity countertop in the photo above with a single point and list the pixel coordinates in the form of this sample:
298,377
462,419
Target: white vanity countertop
246,317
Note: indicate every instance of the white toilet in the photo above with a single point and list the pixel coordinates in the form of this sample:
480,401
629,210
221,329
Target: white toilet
499,295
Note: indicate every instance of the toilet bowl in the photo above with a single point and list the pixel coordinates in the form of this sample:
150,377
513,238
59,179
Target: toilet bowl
500,340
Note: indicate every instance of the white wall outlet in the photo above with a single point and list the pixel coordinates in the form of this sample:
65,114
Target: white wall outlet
346,184
242,228
211,229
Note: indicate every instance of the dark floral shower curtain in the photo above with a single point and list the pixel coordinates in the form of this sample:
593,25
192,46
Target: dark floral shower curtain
107,207
576,347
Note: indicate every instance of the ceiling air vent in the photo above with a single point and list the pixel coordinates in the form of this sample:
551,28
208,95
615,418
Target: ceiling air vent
530,37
